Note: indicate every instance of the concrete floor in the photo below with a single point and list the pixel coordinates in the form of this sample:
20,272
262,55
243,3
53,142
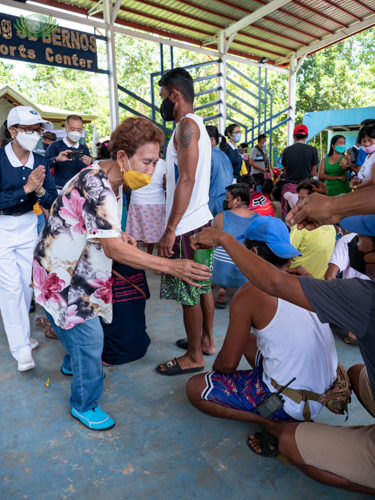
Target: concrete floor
160,448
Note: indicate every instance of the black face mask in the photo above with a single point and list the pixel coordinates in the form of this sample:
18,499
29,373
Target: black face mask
45,146
225,205
166,109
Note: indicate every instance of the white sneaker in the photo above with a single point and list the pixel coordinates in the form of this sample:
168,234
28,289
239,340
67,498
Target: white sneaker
34,343
26,363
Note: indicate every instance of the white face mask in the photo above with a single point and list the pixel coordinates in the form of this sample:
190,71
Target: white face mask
28,141
74,136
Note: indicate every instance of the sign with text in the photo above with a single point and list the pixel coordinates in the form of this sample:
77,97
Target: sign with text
33,39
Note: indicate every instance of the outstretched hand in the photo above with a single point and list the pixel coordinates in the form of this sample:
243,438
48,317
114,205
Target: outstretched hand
207,238
314,211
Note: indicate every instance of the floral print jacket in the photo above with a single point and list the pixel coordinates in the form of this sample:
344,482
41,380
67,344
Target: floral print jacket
72,275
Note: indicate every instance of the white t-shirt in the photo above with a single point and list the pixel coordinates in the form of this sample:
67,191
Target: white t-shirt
340,258
197,213
366,169
296,344
153,193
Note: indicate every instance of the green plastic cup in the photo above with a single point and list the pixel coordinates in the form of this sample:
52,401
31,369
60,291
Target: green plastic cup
205,257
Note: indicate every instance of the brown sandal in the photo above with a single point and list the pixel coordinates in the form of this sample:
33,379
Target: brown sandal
42,322
50,333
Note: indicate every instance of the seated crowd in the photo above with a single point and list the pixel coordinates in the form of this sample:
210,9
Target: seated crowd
293,247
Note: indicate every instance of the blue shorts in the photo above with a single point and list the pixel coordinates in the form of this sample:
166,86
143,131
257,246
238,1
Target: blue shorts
241,390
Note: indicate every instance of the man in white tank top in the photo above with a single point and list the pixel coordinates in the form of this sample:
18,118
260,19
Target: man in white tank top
188,182
280,340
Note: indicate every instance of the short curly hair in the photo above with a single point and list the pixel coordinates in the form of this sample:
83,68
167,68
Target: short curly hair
133,133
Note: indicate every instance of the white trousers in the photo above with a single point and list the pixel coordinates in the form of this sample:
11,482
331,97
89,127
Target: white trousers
17,240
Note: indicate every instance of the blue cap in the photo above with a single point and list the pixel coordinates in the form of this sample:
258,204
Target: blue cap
361,224
274,233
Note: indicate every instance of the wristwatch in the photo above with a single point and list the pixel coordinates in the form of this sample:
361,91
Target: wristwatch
40,195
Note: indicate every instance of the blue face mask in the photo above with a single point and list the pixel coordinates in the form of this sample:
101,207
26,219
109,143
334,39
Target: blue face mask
341,149
237,137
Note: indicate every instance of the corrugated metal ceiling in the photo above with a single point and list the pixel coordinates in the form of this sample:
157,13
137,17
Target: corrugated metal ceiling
298,24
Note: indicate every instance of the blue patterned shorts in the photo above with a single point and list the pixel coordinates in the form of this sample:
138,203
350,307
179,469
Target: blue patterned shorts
241,390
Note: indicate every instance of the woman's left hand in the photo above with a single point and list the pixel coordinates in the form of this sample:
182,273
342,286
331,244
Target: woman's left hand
129,239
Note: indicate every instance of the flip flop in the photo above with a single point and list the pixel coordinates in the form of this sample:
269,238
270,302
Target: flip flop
42,321
220,305
183,344
348,340
266,439
173,368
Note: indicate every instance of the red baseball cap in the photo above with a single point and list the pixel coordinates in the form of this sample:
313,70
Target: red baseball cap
301,129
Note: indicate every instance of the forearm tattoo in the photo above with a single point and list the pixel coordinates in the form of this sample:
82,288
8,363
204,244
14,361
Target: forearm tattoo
186,133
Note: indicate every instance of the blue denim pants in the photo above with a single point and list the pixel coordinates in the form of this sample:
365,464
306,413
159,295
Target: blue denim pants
84,345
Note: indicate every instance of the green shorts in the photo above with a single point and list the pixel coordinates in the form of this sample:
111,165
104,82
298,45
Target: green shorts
176,289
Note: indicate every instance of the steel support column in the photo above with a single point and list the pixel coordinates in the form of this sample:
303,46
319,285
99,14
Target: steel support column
111,64
292,98
222,94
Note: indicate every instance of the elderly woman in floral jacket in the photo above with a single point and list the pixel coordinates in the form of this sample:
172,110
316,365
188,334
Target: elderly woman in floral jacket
72,269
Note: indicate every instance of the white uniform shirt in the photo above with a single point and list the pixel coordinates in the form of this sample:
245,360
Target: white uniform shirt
197,213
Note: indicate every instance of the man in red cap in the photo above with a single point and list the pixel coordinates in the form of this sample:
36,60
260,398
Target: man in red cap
300,162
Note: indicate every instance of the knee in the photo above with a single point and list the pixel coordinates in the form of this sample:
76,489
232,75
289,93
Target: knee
194,388
353,373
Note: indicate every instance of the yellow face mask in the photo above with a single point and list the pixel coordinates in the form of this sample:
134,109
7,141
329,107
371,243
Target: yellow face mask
134,179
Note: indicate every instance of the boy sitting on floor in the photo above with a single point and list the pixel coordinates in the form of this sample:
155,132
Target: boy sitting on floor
280,341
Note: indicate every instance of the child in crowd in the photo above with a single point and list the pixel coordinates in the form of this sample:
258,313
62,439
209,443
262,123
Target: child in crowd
259,202
315,246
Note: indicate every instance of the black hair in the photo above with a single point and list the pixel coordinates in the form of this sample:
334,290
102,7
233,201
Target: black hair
244,145
229,130
368,130
368,121
279,184
300,136
73,117
261,136
103,151
181,80
212,131
268,186
246,179
266,253
276,193
241,190
334,139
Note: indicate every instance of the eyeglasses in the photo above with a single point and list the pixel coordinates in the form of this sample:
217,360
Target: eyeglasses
29,130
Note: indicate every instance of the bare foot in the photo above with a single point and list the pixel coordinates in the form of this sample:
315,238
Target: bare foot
221,296
256,444
186,362
208,346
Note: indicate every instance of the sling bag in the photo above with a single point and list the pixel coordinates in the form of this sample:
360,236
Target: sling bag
336,399
266,162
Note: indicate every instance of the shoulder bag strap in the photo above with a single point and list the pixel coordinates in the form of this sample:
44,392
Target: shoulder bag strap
129,283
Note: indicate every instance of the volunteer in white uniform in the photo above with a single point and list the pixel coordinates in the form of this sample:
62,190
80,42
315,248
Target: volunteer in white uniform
25,178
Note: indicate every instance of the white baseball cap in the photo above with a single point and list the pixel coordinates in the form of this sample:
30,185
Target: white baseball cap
26,115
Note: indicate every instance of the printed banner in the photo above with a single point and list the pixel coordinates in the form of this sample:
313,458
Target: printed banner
38,39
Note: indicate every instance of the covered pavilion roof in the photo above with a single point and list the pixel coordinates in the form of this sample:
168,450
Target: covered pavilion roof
255,29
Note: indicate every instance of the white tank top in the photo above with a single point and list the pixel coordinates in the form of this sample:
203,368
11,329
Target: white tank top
197,214
296,344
